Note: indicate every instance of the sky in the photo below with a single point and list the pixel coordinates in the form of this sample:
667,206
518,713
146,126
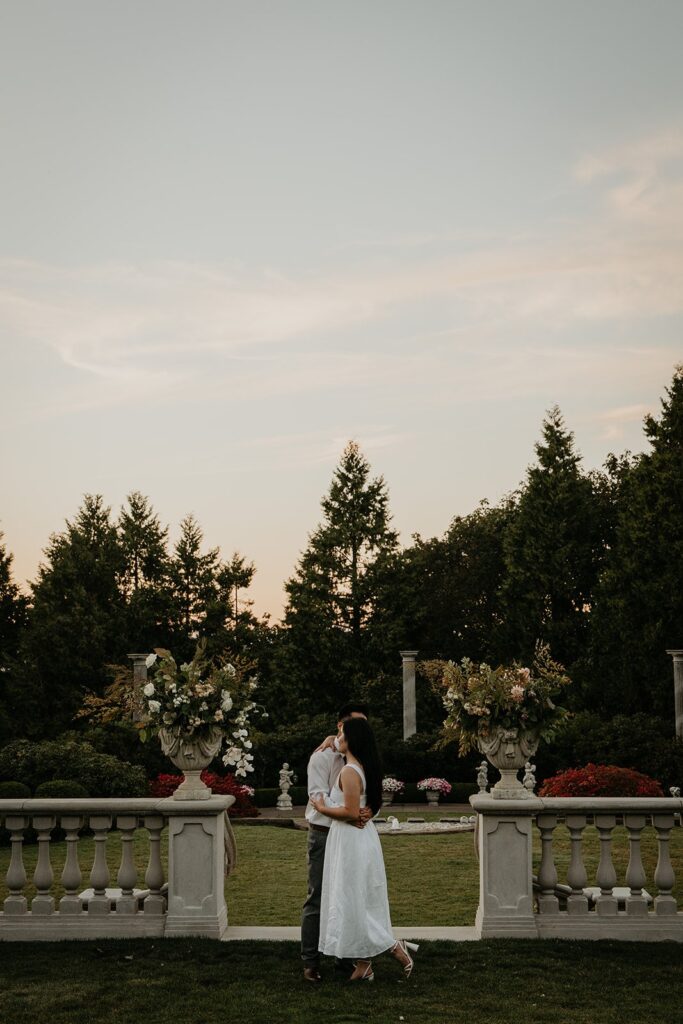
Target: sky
235,235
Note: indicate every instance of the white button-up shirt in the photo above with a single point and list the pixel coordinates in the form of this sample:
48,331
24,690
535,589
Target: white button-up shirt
324,767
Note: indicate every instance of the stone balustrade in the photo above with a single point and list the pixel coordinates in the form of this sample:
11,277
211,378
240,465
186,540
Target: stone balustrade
127,902
577,907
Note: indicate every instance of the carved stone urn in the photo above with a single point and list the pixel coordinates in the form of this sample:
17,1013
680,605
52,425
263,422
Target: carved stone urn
191,754
508,750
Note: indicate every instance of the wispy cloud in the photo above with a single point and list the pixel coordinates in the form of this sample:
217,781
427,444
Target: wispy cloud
615,420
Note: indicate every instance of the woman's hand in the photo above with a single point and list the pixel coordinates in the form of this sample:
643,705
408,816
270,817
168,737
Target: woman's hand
319,803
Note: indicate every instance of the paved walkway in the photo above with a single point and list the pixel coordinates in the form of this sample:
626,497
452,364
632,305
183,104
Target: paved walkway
284,933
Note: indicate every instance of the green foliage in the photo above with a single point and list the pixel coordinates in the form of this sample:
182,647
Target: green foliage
13,618
334,596
61,789
639,741
101,774
293,743
14,791
553,553
638,610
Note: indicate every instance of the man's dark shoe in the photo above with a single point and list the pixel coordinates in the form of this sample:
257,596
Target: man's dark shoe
312,974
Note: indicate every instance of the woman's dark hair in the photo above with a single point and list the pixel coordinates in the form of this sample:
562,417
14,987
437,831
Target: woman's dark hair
362,744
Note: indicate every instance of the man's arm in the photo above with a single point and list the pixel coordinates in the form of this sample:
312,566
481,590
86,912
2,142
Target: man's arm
351,791
318,775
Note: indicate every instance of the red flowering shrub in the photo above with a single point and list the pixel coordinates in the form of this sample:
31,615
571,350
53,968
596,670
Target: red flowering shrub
600,780
221,785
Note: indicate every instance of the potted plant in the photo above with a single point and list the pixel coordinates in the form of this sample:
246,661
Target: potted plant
194,708
391,787
503,711
434,788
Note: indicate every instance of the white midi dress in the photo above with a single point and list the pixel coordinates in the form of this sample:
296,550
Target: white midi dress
354,907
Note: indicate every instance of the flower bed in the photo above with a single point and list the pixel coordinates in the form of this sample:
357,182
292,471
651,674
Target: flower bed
600,780
221,785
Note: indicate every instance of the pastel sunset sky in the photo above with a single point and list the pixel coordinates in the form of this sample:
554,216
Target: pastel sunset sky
234,235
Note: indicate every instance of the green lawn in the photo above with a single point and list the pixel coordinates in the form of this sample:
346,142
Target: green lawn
202,982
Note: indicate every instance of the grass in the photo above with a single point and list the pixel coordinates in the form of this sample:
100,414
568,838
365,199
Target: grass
203,982
433,880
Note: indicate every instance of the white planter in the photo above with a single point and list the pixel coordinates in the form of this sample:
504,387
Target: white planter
192,754
387,798
508,750
433,797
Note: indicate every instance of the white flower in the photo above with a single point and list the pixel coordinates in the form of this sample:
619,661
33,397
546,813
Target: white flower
148,689
203,706
248,744
154,706
149,660
230,669
218,715
226,701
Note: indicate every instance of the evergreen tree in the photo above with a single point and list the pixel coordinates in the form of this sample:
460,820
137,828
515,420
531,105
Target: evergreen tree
144,581
553,551
639,601
77,623
193,579
13,616
333,596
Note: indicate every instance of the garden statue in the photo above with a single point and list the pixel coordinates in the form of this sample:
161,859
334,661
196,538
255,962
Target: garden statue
284,801
483,777
529,780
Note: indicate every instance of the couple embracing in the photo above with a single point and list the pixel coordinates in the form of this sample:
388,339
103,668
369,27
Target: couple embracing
346,914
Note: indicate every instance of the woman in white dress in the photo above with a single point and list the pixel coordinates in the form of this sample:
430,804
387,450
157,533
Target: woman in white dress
354,910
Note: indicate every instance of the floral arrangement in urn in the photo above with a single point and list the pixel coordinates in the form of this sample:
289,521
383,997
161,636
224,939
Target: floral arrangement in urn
392,785
199,703
481,701
434,785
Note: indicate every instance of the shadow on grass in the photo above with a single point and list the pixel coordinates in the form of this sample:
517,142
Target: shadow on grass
204,982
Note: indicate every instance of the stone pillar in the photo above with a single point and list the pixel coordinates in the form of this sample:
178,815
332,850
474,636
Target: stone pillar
139,677
678,690
196,866
409,708
505,884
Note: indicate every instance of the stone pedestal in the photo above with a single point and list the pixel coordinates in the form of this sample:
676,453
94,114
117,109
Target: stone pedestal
196,867
505,887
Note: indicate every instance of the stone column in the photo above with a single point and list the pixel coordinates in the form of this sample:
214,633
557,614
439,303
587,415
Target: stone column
196,866
678,690
505,884
409,708
139,677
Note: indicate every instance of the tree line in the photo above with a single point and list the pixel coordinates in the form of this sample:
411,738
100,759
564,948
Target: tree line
588,561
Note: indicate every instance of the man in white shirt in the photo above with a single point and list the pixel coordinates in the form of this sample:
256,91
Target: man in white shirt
323,770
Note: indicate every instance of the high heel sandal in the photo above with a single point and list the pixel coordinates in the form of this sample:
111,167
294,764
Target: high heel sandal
367,975
404,946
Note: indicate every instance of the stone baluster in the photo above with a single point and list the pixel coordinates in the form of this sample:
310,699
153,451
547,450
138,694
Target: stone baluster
577,902
606,877
43,902
128,875
16,903
636,904
548,902
665,904
154,876
70,902
99,904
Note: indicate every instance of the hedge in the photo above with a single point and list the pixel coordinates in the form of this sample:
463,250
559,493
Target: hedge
14,791
62,789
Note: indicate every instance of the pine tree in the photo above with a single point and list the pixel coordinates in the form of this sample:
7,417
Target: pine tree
77,623
144,582
553,552
334,593
193,578
13,617
639,601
